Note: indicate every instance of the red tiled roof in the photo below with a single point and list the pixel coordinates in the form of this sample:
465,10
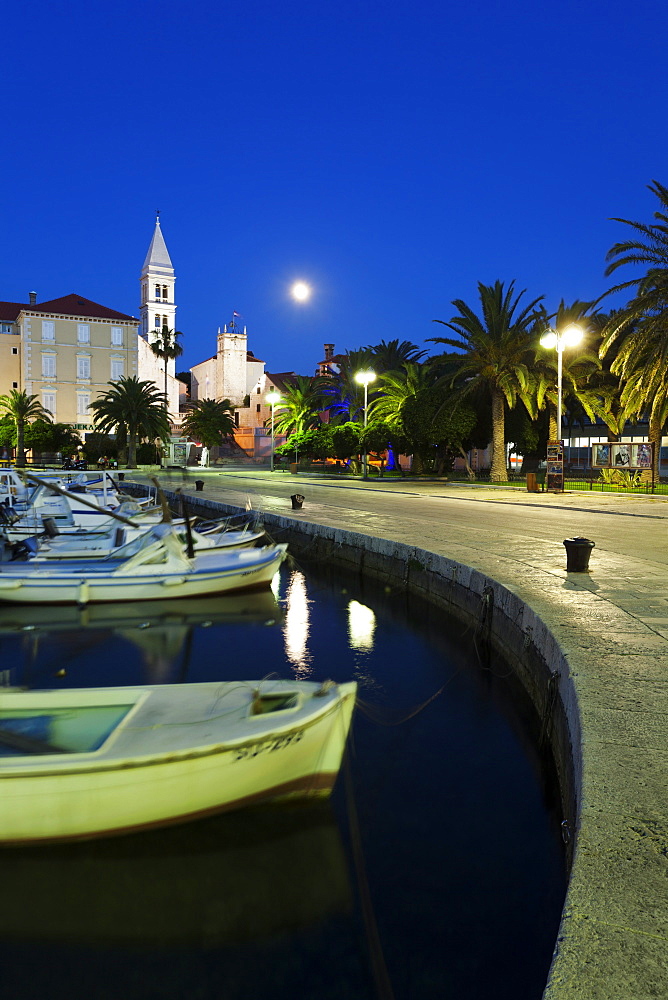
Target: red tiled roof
77,305
10,310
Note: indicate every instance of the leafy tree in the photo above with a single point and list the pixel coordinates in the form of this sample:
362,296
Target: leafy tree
496,355
166,347
22,408
135,410
346,441
638,333
314,443
300,405
44,436
375,439
210,421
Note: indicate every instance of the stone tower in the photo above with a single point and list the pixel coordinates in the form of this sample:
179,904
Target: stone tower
231,352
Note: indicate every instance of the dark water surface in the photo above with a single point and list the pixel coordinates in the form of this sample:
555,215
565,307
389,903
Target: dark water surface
436,870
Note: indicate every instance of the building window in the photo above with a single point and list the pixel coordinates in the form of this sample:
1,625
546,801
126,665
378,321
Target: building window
48,329
15,350
116,369
259,407
15,385
157,293
83,333
83,367
164,292
49,402
48,366
157,323
143,292
83,402
258,390
117,336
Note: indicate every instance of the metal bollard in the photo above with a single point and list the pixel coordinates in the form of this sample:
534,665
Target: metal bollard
578,551
297,501
199,485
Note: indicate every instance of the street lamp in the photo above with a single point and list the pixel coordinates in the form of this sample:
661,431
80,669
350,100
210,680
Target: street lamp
568,337
272,398
364,378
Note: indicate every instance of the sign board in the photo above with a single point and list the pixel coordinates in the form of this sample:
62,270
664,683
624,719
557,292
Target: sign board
554,478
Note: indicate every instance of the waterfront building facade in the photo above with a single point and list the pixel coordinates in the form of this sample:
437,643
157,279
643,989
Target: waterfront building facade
65,351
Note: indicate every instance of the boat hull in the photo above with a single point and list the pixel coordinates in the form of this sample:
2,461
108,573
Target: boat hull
121,788
209,573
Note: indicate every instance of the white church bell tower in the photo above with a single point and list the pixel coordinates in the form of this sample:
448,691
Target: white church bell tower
158,309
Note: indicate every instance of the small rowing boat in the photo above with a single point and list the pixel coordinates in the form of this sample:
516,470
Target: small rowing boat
91,762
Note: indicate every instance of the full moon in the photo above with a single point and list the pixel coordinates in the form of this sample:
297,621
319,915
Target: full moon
300,291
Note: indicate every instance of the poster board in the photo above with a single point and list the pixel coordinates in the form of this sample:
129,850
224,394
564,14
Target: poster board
621,455
554,479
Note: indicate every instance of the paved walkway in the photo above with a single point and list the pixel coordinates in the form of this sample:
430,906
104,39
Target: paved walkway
612,625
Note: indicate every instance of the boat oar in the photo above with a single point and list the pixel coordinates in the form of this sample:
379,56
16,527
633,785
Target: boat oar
79,498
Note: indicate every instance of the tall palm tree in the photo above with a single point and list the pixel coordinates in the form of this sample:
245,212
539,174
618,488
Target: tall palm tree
210,421
132,409
22,408
639,331
167,347
496,355
300,405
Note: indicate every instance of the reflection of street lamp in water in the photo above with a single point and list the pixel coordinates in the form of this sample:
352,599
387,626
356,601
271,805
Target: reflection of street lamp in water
272,398
364,378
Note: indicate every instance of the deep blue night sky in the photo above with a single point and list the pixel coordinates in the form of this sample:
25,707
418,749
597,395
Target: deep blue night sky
391,154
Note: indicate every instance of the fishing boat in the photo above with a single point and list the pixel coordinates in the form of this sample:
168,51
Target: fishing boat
158,567
92,762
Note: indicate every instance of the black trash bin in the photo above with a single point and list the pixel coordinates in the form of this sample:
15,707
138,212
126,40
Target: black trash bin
121,477
578,551
199,485
297,501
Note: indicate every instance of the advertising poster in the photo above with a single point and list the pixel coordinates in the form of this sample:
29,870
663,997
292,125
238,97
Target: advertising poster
554,480
600,455
641,456
620,454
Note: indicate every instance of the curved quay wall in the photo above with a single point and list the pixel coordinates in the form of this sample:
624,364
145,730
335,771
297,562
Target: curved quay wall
596,957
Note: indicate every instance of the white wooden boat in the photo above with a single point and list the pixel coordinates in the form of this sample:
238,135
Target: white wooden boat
91,762
118,541
159,568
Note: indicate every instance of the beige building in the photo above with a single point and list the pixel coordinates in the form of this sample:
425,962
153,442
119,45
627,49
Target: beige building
66,352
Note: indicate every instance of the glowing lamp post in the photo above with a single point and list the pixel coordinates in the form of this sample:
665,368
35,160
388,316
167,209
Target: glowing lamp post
364,378
561,338
272,398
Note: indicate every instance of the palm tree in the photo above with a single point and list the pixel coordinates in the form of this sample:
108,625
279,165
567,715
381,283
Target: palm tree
392,356
132,409
639,331
344,396
167,347
22,408
497,355
300,405
210,421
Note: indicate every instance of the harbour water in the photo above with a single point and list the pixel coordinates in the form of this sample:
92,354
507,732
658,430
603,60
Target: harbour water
435,870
